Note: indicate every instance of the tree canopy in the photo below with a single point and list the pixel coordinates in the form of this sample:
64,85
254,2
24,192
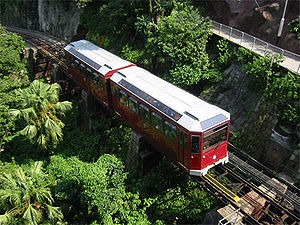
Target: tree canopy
26,196
38,106
97,190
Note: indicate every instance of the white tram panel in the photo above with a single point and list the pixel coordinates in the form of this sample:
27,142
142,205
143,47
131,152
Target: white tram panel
97,55
175,98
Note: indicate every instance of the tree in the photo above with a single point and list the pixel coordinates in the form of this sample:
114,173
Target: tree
39,107
95,192
178,45
11,64
12,71
26,195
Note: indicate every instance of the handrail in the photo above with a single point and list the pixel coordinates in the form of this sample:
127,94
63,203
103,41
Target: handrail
291,60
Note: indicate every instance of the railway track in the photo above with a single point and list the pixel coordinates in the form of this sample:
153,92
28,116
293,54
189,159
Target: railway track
259,198
238,183
47,45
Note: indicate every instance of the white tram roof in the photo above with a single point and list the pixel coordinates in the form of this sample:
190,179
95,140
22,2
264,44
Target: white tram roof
197,115
95,56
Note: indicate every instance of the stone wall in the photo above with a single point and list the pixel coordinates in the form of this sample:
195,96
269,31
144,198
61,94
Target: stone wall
58,18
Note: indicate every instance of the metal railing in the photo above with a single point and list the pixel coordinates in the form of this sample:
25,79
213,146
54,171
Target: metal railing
291,60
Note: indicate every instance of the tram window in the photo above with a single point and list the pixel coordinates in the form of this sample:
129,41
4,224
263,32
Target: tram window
133,104
214,137
144,112
82,69
88,73
170,131
195,144
123,98
98,80
157,121
77,66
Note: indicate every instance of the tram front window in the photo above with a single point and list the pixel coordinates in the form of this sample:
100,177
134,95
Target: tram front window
214,137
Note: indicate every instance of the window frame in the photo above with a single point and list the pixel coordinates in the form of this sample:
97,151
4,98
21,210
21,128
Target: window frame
132,101
170,128
125,95
198,143
213,131
157,121
143,108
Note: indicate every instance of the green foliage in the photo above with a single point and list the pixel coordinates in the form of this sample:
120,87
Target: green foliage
25,194
295,27
96,191
111,23
108,135
11,64
227,54
38,106
244,55
262,70
284,92
12,76
173,198
82,3
178,44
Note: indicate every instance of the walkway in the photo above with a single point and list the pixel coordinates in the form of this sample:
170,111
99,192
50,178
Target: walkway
291,61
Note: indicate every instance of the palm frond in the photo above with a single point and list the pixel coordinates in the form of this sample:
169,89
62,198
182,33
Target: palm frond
30,131
54,91
42,140
10,197
31,215
36,168
63,107
54,129
4,219
15,113
43,194
28,113
54,213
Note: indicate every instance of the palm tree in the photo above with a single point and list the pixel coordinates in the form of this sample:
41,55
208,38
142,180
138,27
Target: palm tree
39,107
27,196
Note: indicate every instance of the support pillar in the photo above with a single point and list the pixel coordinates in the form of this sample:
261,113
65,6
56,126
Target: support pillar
88,107
141,154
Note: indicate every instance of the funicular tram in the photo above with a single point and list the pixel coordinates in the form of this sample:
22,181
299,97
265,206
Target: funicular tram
190,131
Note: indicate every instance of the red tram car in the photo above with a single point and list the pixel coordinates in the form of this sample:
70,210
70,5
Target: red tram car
190,131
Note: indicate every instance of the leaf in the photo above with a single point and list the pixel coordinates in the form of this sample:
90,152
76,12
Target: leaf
4,219
32,215
54,213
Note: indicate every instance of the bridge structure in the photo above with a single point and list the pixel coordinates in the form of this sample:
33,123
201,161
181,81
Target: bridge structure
291,61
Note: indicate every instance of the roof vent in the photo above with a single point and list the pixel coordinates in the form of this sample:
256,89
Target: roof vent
190,115
108,66
123,75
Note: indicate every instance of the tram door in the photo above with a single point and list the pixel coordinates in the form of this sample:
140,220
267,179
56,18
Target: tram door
183,150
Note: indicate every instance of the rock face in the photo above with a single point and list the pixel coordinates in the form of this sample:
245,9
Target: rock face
232,95
58,18
260,20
